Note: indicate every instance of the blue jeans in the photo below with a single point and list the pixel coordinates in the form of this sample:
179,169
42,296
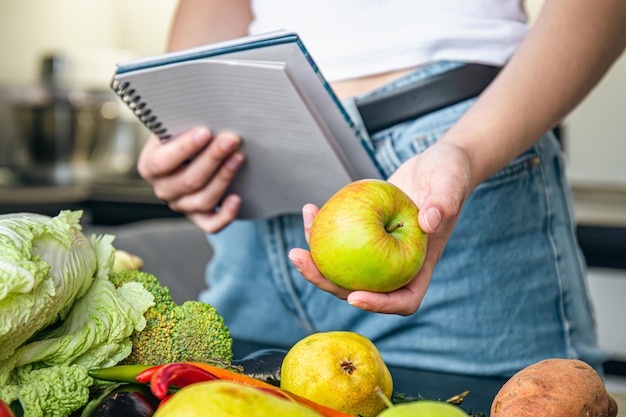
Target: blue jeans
509,290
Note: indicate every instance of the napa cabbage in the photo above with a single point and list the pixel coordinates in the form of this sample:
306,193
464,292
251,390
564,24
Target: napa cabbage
60,314
46,263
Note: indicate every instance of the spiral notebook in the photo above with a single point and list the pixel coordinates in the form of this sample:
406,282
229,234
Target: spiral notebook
300,144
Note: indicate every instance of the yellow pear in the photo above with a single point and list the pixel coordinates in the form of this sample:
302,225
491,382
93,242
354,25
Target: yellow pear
229,399
338,369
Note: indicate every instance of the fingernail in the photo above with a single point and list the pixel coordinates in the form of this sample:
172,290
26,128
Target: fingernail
228,142
235,161
358,304
201,135
296,262
433,218
307,217
233,202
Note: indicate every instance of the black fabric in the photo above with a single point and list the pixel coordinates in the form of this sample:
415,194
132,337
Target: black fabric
424,96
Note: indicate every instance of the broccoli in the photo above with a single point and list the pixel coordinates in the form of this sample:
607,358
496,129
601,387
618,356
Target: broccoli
198,329
193,331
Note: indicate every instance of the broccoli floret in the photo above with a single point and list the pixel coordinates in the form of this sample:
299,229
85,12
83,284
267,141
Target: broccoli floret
152,345
192,331
200,333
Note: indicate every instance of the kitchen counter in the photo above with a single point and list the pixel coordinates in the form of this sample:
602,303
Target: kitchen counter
602,206
423,384
108,201
621,404
601,217
437,385
600,211
595,205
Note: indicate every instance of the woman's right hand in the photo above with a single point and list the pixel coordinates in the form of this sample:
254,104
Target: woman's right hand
191,174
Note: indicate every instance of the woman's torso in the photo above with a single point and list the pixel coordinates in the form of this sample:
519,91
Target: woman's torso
362,44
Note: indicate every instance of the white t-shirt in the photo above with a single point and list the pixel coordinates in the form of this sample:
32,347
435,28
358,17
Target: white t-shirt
355,38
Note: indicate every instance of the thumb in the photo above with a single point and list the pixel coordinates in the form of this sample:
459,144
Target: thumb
440,208
309,211
429,219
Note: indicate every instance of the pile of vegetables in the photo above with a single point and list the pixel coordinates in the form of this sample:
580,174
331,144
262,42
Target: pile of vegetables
164,381
82,335
65,309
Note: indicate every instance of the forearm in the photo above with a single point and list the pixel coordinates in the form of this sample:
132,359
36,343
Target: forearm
568,50
198,22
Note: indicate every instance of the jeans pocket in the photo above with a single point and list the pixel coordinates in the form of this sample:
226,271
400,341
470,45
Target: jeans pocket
520,166
513,202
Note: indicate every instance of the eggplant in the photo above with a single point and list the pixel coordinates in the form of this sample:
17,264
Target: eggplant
263,364
122,399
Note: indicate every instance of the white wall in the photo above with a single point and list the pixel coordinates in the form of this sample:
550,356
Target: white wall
102,31
595,133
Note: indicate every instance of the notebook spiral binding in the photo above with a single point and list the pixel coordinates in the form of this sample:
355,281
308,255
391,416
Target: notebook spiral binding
138,107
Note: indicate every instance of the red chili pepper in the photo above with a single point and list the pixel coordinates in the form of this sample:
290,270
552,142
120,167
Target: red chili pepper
164,400
178,374
5,410
145,376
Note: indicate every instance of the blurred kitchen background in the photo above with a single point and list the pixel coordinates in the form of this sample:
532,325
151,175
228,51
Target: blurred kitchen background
65,137
67,142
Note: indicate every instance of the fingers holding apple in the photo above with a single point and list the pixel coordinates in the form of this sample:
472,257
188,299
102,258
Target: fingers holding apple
403,301
367,237
302,260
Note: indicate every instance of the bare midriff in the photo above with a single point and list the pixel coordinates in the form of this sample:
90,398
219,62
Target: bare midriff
356,86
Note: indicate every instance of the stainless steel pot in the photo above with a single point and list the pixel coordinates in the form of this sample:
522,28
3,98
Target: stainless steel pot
72,134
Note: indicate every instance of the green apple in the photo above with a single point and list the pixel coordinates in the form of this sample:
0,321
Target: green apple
424,408
367,237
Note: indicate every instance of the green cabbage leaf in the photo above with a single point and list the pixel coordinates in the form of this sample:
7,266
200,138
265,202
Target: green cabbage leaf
53,391
46,263
43,373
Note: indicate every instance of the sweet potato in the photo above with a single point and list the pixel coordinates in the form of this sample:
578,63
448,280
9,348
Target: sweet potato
554,388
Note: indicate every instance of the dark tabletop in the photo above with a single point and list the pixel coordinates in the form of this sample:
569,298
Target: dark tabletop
421,383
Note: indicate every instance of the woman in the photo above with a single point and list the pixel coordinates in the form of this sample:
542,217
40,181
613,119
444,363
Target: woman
503,284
